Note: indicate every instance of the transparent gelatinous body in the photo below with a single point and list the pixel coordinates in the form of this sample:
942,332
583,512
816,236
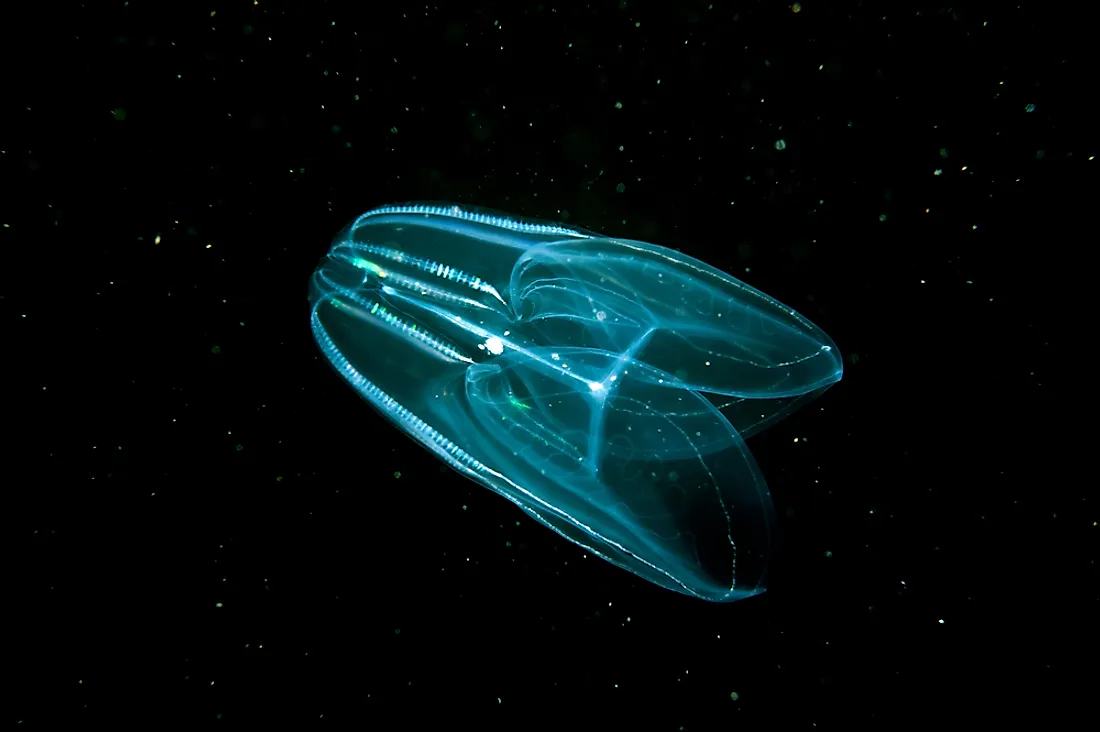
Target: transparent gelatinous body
603,385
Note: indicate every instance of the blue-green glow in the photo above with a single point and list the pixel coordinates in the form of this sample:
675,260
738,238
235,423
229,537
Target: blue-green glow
605,386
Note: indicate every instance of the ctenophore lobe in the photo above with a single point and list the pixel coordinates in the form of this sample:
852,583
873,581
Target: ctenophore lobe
603,385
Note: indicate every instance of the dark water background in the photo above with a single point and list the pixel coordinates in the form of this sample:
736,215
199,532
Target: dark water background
208,524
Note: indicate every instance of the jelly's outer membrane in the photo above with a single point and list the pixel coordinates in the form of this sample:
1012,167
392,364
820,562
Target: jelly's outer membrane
603,385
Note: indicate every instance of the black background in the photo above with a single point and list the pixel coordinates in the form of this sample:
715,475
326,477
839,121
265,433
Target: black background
208,524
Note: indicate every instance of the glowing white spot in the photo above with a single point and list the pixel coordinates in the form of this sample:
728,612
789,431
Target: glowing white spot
495,345
595,385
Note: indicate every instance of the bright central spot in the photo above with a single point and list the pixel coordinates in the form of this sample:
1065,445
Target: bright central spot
495,345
